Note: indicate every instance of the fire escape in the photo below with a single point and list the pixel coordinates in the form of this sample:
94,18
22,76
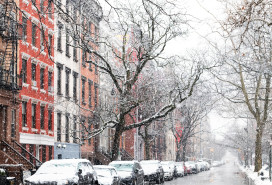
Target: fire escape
13,156
10,34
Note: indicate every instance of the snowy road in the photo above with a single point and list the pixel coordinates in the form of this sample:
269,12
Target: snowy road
227,174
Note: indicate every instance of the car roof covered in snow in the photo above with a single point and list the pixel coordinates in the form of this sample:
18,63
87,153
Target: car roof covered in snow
65,161
103,166
123,162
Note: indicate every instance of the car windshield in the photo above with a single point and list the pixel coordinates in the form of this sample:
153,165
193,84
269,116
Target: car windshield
123,166
61,168
103,172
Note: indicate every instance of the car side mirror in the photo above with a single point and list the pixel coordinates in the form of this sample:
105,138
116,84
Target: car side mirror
79,171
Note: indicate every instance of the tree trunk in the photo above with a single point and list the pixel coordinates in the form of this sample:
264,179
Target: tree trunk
258,148
116,142
147,149
184,152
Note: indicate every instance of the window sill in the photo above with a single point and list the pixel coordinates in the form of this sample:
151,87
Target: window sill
75,60
84,103
50,20
50,132
25,85
34,130
68,55
59,50
43,53
50,94
24,42
34,88
25,128
43,131
26,2
34,48
43,91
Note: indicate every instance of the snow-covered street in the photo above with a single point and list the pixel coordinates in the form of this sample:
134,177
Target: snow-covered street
228,174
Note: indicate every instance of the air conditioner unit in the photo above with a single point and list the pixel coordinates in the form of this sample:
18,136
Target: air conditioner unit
50,89
34,83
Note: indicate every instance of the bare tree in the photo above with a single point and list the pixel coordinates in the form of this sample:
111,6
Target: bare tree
244,75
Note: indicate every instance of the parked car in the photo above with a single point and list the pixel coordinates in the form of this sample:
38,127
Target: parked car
169,169
107,175
153,171
180,169
130,172
193,166
64,171
188,168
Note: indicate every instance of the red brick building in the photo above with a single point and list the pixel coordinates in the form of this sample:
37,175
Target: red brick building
36,64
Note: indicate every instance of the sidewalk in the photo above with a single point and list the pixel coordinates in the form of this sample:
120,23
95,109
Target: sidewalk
254,176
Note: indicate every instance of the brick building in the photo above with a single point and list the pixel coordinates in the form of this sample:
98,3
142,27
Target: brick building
36,64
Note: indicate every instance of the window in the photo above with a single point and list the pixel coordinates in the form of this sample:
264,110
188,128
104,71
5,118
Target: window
33,114
42,40
95,66
43,153
90,93
84,57
50,9
89,128
42,6
42,117
75,51
13,116
34,2
24,71
50,119
24,28
67,43
50,89
75,75
42,78
67,129
31,150
83,90
58,126
33,68
50,152
59,48
49,44
74,130
24,108
90,64
95,95
67,82
59,81
34,32
24,150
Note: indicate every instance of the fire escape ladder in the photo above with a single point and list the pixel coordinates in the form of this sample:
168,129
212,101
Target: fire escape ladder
10,30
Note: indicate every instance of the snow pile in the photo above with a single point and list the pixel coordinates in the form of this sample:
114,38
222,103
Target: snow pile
249,171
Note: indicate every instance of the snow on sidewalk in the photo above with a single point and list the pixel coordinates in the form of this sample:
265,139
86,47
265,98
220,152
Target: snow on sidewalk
249,171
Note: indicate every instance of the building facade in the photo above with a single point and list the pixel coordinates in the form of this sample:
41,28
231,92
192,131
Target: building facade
36,64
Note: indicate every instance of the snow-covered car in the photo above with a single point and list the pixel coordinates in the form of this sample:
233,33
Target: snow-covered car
180,169
130,172
153,171
193,166
64,171
168,169
107,175
188,168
